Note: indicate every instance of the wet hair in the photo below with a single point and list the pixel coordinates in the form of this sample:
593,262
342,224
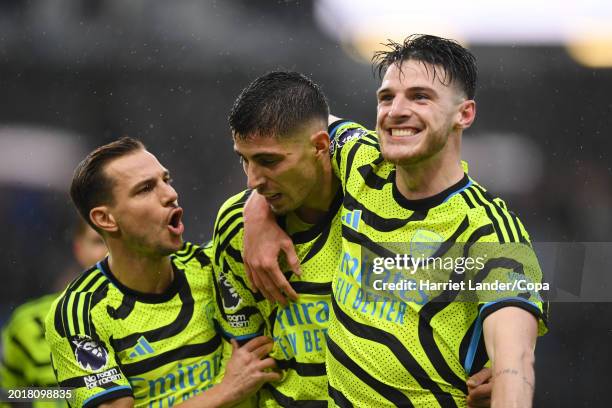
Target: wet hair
277,104
458,64
90,186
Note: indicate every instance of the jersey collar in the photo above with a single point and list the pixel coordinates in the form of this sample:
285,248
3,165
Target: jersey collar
425,204
176,284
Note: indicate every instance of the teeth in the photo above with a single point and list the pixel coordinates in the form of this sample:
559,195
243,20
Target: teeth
403,132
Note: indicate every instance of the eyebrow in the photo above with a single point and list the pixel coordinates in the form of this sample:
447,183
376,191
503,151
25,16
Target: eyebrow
166,174
411,89
259,155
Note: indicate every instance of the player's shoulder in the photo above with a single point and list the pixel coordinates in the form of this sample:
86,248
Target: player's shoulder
347,133
193,255
70,312
233,207
229,225
486,208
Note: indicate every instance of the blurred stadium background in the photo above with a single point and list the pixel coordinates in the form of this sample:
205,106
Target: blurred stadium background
77,74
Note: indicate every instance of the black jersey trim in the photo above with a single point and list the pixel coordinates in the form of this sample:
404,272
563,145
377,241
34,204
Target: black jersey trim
178,324
335,125
228,238
473,192
123,311
318,244
288,402
350,157
175,286
99,293
433,201
238,204
519,231
78,281
376,221
389,393
185,259
303,369
187,246
73,303
373,180
402,354
95,280
202,257
501,213
468,200
61,307
120,391
189,351
226,223
358,238
234,254
491,308
452,240
481,232
338,397
66,308
428,342
186,253
435,306
365,140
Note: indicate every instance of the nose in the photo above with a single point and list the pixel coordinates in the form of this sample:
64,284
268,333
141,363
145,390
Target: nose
400,107
170,196
255,178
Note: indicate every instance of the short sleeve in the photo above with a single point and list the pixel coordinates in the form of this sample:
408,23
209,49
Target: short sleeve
236,310
86,363
345,138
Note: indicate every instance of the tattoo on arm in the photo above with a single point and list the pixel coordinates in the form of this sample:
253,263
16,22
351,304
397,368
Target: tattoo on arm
512,371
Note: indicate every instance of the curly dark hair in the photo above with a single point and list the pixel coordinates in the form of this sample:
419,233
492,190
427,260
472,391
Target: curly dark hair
457,63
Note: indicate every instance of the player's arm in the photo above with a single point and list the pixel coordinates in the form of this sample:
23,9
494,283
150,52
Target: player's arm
264,242
510,336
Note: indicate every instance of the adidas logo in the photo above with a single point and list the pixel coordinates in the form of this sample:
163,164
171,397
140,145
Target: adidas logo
352,219
142,348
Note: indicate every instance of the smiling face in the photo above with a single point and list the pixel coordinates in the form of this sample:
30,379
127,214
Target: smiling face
285,170
417,113
144,213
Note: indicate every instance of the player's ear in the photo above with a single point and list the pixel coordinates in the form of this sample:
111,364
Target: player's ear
320,141
466,114
103,219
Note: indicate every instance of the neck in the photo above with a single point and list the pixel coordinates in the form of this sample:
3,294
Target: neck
431,176
315,207
140,272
